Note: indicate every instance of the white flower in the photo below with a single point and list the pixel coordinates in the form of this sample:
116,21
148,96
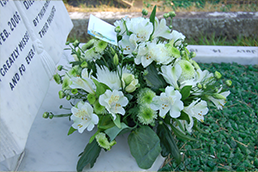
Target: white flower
114,101
128,43
91,54
188,72
171,74
161,29
151,51
141,27
83,82
83,117
168,102
175,36
197,109
111,79
122,24
220,99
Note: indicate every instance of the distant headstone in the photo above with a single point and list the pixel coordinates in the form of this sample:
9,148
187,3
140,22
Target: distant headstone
32,38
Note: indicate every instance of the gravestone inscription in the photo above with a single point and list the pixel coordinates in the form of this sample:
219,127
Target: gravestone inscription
32,38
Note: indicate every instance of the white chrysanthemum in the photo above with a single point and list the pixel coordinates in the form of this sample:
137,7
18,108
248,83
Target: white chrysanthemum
141,27
168,102
128,44
83,117
171,74
176,36
111,79
114,101
161,29
84,82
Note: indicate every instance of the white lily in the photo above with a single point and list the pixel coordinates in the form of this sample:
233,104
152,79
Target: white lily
84,82
114,101
83,117
171,74
161,29
111,79
168,102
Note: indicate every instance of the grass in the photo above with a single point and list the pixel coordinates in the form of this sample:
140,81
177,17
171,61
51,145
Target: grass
230,138
163,5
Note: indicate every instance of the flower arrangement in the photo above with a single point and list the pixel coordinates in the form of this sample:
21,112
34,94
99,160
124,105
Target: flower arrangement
148,85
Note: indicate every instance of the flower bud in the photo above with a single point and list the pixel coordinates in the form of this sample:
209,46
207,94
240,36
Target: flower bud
60,67
61,106
166,15
51,116
115,59
229,82
57,78
67,43
218,96
74,91
134,53
88,45
68,97
170,27
217,75
144,12
91,98
145,72
204,86
172,14
199,85
76,43
84,64
45,114
118,29
61,94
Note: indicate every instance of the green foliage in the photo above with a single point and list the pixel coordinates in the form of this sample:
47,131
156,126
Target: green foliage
138,141
89,155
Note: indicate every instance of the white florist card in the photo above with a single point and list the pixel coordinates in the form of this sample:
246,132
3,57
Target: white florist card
102,30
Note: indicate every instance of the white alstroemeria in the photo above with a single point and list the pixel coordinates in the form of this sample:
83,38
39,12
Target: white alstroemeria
114,101
84,82
122,24
220,99
83,117
161,29
197,109
91,54
171,74
168,102
185,126
111,79
128,43
175,36
141,27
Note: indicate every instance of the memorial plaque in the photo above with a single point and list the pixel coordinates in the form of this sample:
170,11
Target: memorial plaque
28,54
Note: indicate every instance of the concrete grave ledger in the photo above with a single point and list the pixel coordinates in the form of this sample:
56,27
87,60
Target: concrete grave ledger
32,38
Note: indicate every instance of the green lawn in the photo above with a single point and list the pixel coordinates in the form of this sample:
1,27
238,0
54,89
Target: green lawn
230,141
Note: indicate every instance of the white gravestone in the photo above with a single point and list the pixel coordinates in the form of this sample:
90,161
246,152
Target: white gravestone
32,38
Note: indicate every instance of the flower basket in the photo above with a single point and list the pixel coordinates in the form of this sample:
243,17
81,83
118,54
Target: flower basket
148,85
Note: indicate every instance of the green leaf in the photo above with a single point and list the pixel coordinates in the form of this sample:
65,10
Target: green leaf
105,122
154,80
89,155
168,143
115,131
144,146
185,92
181,135
100,87
152,20
117,121
71,130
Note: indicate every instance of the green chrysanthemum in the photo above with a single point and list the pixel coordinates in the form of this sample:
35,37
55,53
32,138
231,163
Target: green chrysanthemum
188,71
145,96
146,115
100,46
103,141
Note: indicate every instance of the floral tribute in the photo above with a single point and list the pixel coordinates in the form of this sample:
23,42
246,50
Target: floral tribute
148,85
